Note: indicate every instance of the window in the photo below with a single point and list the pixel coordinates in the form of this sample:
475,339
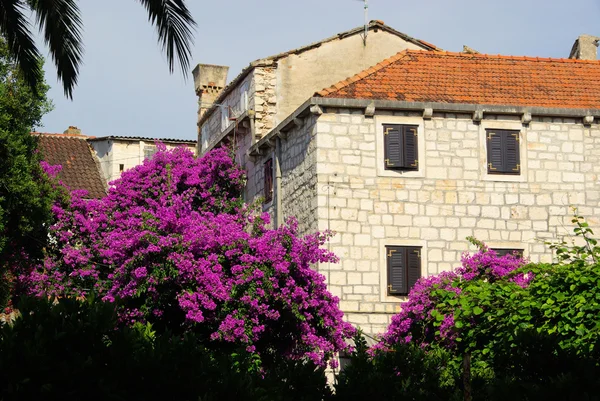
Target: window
403,268
518,253
121,168
224,117
149,151
268,173
503,156
401,147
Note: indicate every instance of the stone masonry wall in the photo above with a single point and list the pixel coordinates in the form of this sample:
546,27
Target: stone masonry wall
256,92
449,198
299,177
264,99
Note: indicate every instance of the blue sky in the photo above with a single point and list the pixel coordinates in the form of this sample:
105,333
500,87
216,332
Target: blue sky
125,87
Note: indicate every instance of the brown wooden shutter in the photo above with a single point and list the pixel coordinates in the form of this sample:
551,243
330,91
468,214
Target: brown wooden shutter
505,251
503,152
413,266
404,268
512,157
393,146
411,149
396,265
268,181
495,154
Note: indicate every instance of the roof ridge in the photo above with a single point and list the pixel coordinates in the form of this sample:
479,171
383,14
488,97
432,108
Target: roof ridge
500,56
365,73
268,60
59,135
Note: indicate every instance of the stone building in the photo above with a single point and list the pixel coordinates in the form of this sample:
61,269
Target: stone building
406,159
271,88
120,153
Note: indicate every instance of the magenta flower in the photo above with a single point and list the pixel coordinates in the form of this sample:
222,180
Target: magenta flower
173,243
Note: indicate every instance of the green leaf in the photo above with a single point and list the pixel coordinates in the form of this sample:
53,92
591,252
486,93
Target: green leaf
477,310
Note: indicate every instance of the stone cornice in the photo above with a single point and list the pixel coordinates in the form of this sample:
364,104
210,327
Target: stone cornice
370,107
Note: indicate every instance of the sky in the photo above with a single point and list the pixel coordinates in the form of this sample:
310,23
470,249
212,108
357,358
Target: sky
125,87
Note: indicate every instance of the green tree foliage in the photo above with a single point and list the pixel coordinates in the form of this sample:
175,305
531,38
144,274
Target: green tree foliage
60,23
406,372
530,333
69,350
26,194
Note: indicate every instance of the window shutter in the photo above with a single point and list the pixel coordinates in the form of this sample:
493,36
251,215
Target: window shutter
502,252
268,180
413,266
393,146
512,156
495,153
396,264
411,157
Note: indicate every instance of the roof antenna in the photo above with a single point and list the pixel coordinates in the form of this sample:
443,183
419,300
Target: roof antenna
366,22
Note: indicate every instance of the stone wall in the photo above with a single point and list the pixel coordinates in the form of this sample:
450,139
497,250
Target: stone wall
275,87
299,185
265,100
449,198
300,75
256,92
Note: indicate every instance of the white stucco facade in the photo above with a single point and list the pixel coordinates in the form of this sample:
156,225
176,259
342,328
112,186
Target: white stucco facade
117,154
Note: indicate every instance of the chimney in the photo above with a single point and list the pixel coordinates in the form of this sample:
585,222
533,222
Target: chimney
209,81
72,130
585,48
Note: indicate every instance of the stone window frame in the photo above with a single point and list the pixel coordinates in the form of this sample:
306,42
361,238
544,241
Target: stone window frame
509,125
380,149
509,245
511,251
383,293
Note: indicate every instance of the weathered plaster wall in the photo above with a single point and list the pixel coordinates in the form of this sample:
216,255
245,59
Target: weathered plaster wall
299,76
240,99
112,153
450,198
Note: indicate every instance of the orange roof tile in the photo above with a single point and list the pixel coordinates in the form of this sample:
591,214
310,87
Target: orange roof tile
444,77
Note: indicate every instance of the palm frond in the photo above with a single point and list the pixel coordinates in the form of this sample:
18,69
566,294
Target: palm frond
60,22
14,26
175,25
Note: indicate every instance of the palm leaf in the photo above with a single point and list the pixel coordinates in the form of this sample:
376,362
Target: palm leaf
174,24
14,26
60,22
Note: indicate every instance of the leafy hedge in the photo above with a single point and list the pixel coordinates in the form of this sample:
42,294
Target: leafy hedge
493,329
70,350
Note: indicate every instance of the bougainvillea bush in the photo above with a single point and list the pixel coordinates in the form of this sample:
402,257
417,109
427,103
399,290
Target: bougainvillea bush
174,245
508,328
449,307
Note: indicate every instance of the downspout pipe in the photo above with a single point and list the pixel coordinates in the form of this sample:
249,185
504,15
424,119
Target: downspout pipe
252,117
278,210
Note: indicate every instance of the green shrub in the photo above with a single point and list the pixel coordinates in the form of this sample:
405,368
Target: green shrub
404,373
70,350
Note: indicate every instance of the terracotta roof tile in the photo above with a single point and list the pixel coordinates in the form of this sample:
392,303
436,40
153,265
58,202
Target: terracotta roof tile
425,76
80,166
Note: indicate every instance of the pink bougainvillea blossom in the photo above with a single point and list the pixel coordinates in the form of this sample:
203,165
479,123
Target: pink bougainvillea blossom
173,244
416,320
